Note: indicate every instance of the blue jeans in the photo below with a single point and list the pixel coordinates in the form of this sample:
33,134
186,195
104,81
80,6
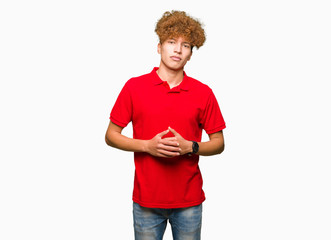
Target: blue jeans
150,223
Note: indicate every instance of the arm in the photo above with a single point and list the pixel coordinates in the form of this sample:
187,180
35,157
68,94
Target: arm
167,147
215,145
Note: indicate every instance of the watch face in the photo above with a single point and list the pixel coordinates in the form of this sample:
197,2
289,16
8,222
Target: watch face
195,147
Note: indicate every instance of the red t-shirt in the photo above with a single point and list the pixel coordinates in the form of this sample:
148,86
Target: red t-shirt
152,107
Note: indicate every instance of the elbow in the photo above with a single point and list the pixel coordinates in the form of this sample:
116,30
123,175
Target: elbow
108,140
220,149
112,135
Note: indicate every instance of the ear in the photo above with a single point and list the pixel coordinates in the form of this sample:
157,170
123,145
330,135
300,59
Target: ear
159,48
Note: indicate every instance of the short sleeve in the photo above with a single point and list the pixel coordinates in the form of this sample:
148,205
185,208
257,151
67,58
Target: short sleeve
121,113
212,119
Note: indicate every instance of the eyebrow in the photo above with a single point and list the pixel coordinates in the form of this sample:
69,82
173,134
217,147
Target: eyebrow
177,39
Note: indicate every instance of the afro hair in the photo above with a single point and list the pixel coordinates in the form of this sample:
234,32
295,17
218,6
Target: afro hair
179,24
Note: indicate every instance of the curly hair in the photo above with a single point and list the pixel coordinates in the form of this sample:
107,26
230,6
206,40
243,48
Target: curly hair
179,24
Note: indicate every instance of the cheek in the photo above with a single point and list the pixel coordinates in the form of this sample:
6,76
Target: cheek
188,54
188,58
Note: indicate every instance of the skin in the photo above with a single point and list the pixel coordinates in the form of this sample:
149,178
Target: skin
175,53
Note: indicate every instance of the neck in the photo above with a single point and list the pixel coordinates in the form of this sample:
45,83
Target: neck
173,77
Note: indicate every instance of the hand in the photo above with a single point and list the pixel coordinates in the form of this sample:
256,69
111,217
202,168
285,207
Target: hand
185,146
166,147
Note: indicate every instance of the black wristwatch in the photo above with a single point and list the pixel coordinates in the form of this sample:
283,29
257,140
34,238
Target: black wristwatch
195,148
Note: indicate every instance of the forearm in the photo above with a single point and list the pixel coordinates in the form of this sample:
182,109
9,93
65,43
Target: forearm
117,140
212,147
215,145
167,147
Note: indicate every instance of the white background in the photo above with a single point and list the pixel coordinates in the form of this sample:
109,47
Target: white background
62,66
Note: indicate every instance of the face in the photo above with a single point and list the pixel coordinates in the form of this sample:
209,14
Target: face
175,52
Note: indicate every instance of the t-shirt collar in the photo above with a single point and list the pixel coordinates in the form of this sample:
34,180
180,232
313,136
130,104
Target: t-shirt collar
157,80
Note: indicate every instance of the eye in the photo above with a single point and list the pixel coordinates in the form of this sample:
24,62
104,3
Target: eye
187,46
171,41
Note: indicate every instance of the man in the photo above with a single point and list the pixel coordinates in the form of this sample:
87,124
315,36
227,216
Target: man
168,111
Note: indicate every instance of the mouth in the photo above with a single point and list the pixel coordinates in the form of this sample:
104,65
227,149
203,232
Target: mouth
175,58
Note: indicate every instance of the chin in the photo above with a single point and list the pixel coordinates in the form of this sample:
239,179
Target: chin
176,68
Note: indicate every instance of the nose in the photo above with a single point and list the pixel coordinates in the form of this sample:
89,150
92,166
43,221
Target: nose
178,48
